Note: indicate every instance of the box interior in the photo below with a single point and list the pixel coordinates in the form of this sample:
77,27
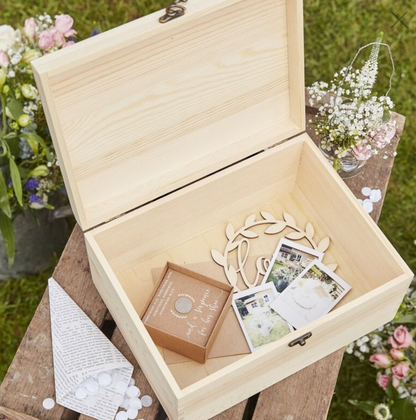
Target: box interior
183,228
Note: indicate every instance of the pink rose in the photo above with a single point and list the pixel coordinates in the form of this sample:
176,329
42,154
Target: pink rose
68,44
30,28
396,354
401,370
396,381
361,152
72,32
401,338
383,381
58,39
380,359
4,59
63,23
46,40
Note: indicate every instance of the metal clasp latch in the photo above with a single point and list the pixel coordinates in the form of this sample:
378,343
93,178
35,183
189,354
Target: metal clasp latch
173,11
301,340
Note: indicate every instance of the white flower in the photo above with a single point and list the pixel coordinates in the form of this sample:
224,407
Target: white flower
8,36
11,74
382,412
15,59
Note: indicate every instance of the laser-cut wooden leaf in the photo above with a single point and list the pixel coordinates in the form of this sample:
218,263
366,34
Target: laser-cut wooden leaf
323,244
233,246
249,234
218,257
250,220
295,236
232,275
309,229
229,232
267,216
332,266
275,228
289,219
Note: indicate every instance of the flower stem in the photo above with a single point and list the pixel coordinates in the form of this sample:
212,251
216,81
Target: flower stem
3,107
336,164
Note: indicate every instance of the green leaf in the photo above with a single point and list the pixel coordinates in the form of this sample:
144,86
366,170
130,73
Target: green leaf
15,108
405,319
403,409
17,182
366,406
392,392
6,229
33,137
4,197
34,146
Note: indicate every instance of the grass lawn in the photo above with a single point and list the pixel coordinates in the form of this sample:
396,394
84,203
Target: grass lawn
334,30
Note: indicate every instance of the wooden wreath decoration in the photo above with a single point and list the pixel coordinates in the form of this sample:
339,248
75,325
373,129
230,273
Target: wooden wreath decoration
239,241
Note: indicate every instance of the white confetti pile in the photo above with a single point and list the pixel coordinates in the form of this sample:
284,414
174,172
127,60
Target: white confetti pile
127,397
374,196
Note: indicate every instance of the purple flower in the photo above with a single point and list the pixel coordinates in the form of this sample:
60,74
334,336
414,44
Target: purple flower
35,199
31,184
9,182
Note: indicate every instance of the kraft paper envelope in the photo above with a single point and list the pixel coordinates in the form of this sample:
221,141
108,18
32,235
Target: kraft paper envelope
80,351
223,346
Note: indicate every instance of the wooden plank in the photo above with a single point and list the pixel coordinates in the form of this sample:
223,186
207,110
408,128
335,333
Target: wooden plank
7,414
316,383
303,396
30,378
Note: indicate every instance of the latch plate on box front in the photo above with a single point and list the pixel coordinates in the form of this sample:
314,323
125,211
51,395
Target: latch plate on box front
300,340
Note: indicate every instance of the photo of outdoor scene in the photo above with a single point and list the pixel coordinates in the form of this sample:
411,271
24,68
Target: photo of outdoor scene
261,324
288,264
312,295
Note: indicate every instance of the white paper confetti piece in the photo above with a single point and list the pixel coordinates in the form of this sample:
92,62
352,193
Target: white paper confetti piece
368,206
375,196
135,403
121,387
132,413
147,401
133,391
80,393
366,191
121,415
104,379
132,382
48,403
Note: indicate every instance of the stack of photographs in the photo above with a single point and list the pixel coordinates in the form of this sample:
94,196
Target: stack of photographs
296,290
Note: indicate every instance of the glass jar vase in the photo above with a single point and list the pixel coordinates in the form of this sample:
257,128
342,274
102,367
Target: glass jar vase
347,166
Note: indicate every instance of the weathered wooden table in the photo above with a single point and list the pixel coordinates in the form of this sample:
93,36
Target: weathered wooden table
305,395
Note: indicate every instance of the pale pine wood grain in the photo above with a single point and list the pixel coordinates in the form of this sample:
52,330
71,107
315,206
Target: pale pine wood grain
135,122
379,294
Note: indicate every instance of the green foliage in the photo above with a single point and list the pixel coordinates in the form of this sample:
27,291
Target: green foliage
18,302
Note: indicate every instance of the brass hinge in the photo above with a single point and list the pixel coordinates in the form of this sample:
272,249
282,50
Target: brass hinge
300,340
173,11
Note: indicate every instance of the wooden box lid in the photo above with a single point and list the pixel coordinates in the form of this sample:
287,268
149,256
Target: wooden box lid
146,108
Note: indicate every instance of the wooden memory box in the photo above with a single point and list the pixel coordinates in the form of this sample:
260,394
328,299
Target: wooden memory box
190,332
160,130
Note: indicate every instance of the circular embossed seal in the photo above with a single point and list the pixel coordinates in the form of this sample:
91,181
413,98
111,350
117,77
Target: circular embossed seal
183,305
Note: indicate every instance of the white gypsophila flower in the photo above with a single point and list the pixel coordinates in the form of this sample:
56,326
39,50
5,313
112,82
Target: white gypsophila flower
8,37
382,412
